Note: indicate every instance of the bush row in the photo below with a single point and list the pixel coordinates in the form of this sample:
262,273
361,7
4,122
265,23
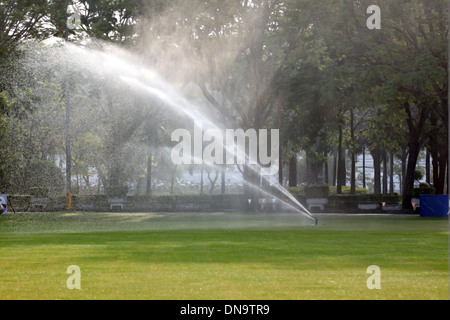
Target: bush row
417,192
132,203
183,202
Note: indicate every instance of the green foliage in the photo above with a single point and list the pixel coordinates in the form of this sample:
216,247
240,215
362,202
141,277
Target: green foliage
347,190
23,20
419,174
4,104
5,144
417,192
317,191
21,203
332,190
298,65
296,190
116,191
346,201
43,177
424,185
40,192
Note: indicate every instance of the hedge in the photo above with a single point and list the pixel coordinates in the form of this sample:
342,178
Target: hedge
332,190
347,190
417,192
186,203
317,191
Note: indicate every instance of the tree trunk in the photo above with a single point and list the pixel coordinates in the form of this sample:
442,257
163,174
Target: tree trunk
403,160
223,181
364,168
392,185
78,184
201,180
416,141
101,179
213,181
251,181
280,168
353,155
341,170
87,181
428,167
353,175
414,150
443,161
334,172
435,166
442,177
438,150
385,173
377,170
447,184
439,164
115,172
172,181
293,182
149,173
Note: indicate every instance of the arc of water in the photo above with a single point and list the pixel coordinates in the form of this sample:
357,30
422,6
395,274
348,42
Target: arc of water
189,111
295,203
159,88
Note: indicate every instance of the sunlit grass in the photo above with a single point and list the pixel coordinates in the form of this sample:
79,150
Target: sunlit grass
221,256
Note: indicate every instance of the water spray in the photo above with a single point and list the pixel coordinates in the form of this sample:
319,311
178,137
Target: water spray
163,91
146,82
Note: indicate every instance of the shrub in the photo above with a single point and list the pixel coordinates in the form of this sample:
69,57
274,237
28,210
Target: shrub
347,190
312,192
19,202
39,192
424,185
418,174
43,179
116,191
391,198
295,190
417,192
352,201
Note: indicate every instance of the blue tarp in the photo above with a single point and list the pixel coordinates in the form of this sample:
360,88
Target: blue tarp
434,205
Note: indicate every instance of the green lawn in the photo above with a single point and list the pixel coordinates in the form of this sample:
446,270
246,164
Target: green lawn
222,256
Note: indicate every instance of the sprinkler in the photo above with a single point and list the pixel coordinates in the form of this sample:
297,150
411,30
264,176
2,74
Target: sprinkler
317,221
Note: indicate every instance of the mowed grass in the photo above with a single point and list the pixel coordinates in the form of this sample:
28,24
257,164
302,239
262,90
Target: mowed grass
222,256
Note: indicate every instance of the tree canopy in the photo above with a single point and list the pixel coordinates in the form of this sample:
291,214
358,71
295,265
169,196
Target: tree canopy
313,69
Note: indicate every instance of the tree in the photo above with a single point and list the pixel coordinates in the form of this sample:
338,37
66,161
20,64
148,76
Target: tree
243,84
5,143
305,88
404,63
385,132
24,20
19,21
418,49
113,21
310,68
